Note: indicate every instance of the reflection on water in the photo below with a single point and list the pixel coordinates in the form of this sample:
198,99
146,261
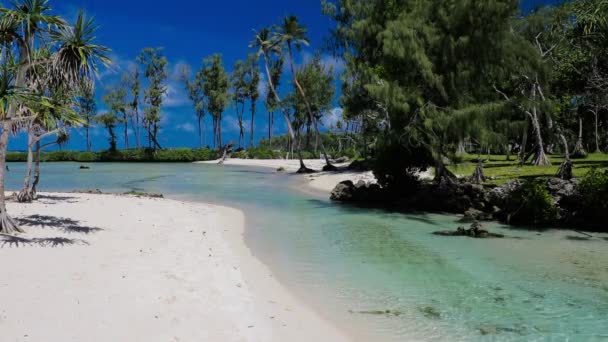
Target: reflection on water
381,275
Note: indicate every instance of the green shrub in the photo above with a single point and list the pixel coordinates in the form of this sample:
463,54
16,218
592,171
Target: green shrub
204,154
16,156
240,154
395,166
85,157
261,153
594,191
174,155
531,204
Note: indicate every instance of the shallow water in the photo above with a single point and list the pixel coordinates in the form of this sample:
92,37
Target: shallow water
383,276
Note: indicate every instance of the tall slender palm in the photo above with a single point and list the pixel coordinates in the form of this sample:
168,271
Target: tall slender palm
293,35
268,46
252,92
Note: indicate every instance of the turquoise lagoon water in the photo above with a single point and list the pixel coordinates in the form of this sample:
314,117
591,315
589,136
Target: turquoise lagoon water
383,276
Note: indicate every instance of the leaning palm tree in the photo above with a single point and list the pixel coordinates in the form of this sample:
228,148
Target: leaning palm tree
268,46
293,35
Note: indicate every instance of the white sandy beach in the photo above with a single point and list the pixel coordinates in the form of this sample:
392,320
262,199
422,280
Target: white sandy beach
119,268
322,181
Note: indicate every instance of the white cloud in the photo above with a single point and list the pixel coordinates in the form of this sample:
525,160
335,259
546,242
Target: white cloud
328,61
332,117
118,66
176,95
263,86
332,62
186,127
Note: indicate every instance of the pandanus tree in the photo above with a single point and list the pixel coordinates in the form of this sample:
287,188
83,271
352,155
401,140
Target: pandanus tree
53,118
268,47
293,36
25,28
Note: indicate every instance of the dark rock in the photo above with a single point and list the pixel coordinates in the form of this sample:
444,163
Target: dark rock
473,215
359,165
92,191
476,231
84,167
343,192
329,168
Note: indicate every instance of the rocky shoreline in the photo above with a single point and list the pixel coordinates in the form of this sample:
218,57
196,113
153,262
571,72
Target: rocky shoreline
515,203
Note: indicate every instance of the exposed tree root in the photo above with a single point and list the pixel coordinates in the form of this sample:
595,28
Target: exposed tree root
478,176
579,150
541,159
25,196
8,225
442,174
329,167
304,170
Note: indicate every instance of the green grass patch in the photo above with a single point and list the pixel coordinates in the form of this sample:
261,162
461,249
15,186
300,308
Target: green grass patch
501,170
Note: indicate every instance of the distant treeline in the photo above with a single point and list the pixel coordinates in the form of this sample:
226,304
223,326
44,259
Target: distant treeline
178,155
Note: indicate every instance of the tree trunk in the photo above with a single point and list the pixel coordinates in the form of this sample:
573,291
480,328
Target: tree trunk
269,128
7,224
328,166
251,137
126,130
88,142
219,131
36,170
137,128
579,148
25,195
284,112
565,170
597,134
225,151
478,176
540,158
200,133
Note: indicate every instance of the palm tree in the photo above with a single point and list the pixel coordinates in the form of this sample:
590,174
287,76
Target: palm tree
268,46
252,92
292,34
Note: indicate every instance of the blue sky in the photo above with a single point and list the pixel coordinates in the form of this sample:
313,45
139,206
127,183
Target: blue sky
190,30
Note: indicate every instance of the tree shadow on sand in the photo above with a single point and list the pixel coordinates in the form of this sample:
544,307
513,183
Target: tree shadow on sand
54,199
63,224
16,242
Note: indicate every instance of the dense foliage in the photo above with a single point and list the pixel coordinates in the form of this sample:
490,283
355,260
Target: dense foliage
472,76
594,191
531,204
